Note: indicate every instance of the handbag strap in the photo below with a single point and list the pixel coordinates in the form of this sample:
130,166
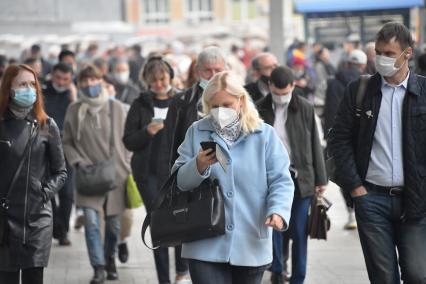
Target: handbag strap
33,134
111,118
156,204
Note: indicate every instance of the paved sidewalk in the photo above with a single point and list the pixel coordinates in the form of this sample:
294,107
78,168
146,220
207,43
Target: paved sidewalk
338,260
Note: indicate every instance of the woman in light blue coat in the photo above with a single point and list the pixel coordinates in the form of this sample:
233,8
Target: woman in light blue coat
254,178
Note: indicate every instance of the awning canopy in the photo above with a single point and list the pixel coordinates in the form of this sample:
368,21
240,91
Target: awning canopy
331,6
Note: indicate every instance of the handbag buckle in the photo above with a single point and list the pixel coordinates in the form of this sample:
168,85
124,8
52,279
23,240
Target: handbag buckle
180,214
4,204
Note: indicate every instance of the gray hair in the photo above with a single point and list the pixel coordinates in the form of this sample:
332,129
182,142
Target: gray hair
255,63
209,55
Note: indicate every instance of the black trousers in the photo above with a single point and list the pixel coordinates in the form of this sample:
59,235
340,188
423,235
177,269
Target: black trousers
29,276
62,211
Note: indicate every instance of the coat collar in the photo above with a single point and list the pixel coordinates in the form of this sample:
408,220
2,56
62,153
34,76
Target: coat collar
205,124
413,86
8,115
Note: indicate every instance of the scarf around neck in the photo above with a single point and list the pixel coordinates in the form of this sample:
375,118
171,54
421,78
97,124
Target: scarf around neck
229,133
92,106
18,111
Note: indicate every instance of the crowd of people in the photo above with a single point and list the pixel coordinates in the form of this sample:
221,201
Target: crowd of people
147,116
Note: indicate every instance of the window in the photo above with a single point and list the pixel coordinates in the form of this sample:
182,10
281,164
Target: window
199,10
156,11
243,10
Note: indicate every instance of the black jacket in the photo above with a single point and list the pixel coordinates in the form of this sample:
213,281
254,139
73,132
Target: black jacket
306,151
334,94
254,91
136,138
126,93
351,140
56,104
183,111
42,175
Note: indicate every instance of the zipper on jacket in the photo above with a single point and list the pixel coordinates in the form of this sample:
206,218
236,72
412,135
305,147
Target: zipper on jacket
26,186
7,142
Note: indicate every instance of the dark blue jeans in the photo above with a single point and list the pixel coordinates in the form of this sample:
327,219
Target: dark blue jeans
382,233
297,232
203,272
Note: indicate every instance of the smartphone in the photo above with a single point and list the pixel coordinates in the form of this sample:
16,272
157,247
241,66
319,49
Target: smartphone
208,145
157,120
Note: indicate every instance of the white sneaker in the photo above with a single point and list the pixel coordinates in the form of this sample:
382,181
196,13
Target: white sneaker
183,281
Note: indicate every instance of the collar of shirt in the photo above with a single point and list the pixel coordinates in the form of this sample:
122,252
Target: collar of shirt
403,84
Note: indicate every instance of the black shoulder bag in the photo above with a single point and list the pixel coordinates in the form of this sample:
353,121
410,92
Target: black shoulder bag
4,201
330,163
98,179
185,216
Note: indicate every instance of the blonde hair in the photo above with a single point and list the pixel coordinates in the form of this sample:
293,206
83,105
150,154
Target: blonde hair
230,83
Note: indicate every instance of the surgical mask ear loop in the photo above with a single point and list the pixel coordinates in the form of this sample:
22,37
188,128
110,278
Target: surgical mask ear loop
405,59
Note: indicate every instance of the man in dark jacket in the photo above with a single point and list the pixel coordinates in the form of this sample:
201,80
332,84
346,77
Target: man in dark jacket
136,62
349,72
186,108
380,157
262,66
126,90
58,94
293,118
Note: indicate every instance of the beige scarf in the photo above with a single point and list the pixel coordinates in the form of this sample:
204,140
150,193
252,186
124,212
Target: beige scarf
91,105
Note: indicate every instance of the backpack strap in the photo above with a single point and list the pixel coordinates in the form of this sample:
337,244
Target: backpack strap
363,80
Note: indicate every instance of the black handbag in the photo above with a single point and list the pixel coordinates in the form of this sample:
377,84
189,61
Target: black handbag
98,179
4,201
185,216
319,223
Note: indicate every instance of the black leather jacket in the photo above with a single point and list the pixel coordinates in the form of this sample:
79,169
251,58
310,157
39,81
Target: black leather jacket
183,111
43,173
351,140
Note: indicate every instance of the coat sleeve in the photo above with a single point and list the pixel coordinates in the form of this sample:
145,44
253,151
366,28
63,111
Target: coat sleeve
71,153
341,142
317,154
136,137
57,171
188,176
280,184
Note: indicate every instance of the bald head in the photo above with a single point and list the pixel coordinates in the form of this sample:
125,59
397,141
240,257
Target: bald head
264,63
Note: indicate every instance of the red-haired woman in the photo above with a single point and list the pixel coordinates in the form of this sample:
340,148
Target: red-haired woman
27,134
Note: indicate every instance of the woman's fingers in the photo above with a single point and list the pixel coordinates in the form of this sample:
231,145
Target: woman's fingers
275,221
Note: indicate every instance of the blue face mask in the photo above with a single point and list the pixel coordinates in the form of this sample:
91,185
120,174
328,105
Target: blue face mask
25,97
92,91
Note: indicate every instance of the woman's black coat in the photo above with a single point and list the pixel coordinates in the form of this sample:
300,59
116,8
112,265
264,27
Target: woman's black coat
30,211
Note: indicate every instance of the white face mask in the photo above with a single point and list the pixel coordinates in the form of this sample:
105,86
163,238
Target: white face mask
224,116
203,83
58,88
386,65
122,77
281,100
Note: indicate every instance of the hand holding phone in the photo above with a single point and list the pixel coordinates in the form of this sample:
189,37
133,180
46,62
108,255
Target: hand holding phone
207,156
208,145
